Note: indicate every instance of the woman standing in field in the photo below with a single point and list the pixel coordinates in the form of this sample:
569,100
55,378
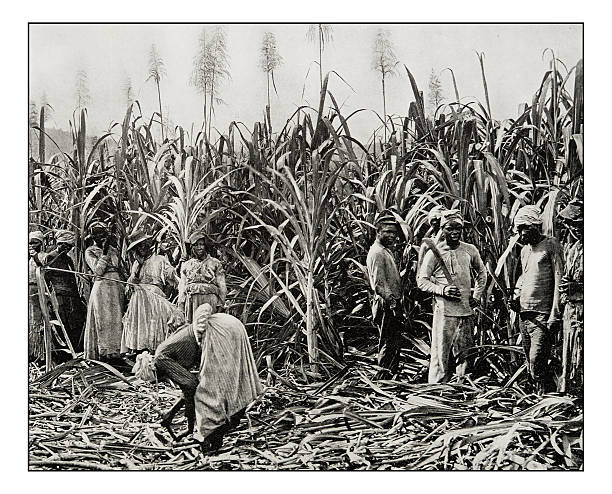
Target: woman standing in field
149,315
35,320
167,247
71,309
202,279
103,327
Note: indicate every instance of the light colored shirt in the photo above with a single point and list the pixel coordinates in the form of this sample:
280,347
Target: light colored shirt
384,276
155,270
101,263
459,262
32,265
206,276
542,266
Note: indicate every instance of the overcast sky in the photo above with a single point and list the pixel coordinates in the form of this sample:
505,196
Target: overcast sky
514,67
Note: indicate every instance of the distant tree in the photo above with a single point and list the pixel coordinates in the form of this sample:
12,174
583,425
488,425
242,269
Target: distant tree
321,34
127,90
32,114
157,72
82,88
435,95
384,62
270,59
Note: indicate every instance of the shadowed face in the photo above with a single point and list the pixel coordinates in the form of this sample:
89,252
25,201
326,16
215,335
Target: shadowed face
64,247
387,234
529,234
166,246
199,248
35,245
435,224
143,248
99,236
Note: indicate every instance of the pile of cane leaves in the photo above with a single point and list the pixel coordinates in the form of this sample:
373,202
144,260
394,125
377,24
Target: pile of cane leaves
86,416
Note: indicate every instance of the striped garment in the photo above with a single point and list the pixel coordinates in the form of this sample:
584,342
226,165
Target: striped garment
181,347
228,376
173,359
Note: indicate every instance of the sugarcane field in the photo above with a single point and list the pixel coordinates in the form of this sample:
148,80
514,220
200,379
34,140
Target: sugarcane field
318,247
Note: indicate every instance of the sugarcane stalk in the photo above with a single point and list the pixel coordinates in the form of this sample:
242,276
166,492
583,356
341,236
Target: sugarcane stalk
44,308
55,305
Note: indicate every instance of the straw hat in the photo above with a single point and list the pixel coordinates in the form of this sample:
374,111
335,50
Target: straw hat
385,218
197,236
137,238
97,226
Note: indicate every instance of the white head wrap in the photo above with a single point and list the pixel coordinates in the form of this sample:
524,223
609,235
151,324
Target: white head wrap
435,213
36,235
64,237
528,215
451,216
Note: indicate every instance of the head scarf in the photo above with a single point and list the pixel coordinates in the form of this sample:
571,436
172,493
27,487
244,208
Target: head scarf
64,237
200,310
98,225
197,236
450,216
36,235
138,238
573,211
196,316
435,213
528,215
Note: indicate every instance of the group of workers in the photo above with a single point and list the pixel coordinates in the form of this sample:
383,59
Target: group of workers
193,332
548,297
188,334
125,314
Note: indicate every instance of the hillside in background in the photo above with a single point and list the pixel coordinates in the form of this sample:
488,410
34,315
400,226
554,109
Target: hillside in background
62,138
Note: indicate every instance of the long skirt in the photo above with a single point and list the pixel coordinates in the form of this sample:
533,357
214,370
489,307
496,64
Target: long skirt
36,328
228,375
448,334
148,320
195,300
72,313
103,325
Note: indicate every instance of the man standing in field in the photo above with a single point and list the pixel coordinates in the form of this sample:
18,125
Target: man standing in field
540,312
174,358
386,284
446,272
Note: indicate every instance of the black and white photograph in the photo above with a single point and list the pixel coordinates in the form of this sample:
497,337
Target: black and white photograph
292,246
